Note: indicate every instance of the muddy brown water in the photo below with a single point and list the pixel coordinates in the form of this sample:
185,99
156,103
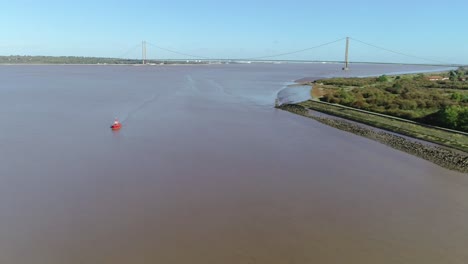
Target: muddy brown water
206,171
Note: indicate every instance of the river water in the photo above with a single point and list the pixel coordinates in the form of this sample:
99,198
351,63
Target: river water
205,171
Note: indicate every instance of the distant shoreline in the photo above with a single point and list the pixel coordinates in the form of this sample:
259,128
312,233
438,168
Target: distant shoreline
95,64
80,60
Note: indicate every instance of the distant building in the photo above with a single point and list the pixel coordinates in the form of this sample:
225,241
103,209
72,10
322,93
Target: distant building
437,78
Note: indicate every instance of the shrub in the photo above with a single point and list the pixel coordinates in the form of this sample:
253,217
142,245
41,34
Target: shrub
382,78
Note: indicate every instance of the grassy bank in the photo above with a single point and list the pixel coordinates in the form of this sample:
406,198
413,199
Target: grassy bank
419,131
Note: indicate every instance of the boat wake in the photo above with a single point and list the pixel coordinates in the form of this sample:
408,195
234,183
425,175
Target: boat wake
139,107
293,94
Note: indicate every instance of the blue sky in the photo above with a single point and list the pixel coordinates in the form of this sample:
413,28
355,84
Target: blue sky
237,29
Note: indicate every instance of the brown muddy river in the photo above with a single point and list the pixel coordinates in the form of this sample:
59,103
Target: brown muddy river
206,171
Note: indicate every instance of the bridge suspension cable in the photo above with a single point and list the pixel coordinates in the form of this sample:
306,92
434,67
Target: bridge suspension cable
129,51
397,52
294,52
179,53
281,54
252,58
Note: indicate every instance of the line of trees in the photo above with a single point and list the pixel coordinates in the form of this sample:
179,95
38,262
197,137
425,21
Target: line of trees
453,116
82,60
63,60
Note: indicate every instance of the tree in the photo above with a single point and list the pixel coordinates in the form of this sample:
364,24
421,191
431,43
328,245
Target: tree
382,78
453,76
463,120
448,116
457,96
460,72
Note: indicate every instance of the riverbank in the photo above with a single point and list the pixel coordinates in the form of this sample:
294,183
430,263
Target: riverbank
442,136
442,156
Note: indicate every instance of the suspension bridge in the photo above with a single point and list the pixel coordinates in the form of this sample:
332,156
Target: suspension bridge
278,57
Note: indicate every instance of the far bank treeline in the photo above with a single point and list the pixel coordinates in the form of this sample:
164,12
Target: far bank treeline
434,99
81,60
63,60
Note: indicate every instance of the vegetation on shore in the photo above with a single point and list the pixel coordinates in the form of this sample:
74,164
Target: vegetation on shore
83,60
415,130
439,100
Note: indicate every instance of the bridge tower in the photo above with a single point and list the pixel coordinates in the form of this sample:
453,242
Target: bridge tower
345,68
143,52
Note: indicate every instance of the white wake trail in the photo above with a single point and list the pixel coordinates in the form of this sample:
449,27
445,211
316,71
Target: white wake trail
142,105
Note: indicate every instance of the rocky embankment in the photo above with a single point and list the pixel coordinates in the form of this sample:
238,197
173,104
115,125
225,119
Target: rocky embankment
447,158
